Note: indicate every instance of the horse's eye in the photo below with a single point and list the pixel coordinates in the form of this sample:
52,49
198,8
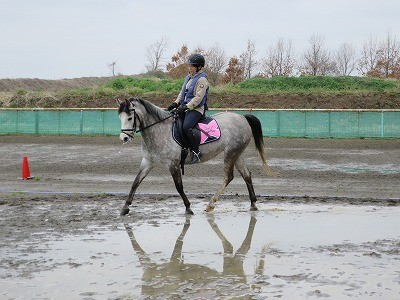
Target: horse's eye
130,119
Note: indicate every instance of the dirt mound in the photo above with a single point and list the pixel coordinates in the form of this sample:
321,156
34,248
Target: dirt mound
308,101
34,84
22,93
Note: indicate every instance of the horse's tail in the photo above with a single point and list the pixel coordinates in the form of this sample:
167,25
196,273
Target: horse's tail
256,129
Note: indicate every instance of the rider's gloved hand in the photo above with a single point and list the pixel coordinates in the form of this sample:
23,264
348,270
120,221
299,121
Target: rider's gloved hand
182,109
172,106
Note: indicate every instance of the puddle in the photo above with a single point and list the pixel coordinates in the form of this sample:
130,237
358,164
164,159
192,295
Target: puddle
89,266
284,250
348,167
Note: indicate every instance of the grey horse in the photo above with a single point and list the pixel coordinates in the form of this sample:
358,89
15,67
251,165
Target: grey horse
159,147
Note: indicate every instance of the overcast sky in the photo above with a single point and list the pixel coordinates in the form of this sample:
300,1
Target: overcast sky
54,39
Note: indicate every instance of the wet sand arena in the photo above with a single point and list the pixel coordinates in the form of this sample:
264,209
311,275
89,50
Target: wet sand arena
328,226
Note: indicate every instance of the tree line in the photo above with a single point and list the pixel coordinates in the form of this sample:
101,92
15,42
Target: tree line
377,58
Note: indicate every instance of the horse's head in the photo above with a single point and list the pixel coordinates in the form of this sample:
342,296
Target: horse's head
127,115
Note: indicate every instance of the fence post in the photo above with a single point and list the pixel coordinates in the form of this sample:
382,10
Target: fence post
103,118
81,123
59,122
305,124
278,123
17,123
36,122
329,124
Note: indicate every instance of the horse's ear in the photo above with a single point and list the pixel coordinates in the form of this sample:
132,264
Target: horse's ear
128,103
119,101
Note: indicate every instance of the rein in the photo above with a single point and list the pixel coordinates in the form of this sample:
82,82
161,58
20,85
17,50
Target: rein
133,130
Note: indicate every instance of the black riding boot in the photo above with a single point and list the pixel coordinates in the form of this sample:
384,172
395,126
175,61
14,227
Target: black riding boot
194,146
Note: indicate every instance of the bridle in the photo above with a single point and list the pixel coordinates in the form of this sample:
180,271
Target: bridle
131,131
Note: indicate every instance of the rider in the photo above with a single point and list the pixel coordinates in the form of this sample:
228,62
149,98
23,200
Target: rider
192,101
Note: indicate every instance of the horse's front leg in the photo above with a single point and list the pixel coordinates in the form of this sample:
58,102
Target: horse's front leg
176,175
144,169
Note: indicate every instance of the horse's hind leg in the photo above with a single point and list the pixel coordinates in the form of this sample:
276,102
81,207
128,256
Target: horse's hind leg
244,171
228,168
144,169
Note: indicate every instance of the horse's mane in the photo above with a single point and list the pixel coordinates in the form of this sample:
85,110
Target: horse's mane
153,110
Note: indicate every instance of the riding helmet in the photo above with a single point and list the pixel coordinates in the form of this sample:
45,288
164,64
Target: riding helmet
196,60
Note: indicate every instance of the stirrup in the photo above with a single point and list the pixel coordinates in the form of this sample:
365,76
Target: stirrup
195,157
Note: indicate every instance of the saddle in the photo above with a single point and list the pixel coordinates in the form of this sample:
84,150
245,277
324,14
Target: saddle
206,131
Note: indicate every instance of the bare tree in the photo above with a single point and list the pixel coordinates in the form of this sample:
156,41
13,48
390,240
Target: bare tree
248,60
280,60
345,59
112,67
369,56
216,62
199,50
155,54
388,56
381,59
317,59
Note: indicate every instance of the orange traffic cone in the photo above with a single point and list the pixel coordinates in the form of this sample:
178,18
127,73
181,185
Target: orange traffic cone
26,174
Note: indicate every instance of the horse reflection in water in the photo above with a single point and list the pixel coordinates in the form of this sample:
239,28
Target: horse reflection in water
176,278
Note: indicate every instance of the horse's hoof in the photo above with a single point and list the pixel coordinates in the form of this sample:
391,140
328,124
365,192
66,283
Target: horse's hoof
209,208
189,211
124,211
253,208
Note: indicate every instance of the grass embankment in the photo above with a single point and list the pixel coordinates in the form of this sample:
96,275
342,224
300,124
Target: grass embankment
277,92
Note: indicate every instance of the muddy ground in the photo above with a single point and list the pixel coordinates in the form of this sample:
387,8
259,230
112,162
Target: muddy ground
326,227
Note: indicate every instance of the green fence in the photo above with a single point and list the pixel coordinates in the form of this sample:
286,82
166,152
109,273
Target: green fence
275,123
59,121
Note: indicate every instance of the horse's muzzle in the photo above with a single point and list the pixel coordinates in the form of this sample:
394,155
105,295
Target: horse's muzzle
124,138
